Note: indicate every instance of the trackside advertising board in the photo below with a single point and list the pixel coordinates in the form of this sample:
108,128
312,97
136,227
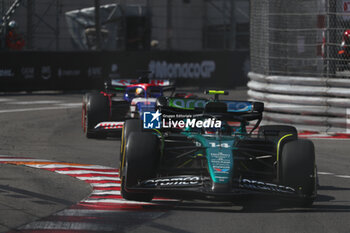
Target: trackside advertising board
87,70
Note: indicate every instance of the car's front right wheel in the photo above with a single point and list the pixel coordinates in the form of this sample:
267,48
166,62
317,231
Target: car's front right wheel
298,170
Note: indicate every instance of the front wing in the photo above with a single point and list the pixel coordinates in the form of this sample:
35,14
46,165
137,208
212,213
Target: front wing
109,126
200,187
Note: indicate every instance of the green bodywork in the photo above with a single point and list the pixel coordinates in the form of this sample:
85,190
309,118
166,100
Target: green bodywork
219,149
188,104
220,152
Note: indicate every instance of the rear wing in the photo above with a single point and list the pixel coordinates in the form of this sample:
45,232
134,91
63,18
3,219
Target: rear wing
243,106
228,110
232,105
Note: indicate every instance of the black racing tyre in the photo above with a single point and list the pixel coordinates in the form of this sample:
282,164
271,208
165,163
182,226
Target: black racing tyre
141,158
83,111
276,132
96,110
298,170
130,125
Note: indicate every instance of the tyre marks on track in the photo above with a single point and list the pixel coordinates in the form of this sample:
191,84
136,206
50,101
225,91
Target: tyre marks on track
103,211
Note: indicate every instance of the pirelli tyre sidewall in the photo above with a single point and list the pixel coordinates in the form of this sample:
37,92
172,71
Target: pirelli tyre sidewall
141,159
298,169
97,110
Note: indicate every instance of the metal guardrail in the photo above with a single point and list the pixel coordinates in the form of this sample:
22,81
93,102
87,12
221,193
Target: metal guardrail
310,103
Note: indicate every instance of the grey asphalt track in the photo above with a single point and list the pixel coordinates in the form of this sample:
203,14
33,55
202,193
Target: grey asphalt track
28,194
45,131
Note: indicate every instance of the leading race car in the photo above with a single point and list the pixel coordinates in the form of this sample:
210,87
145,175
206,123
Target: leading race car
218,160
104,112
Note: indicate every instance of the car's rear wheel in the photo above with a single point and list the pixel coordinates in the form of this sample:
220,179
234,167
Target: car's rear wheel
96,111
298,170
141,158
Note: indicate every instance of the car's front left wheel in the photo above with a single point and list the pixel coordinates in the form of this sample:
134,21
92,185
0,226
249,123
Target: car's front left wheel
141,158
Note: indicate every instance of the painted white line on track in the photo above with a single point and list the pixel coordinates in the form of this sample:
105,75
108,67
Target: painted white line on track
116,201
325,173
105,185
86,172
109,213
343,176
35,109
57,166
335,175
25,160
70,105
329,138
87,213
60,225
102,192
36,102
98,178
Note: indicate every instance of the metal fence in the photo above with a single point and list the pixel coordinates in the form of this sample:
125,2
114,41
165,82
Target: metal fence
289,37
300,62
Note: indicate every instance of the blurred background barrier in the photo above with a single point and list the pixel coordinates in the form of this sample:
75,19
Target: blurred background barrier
300,62
72,45
66,25
310,103
29,71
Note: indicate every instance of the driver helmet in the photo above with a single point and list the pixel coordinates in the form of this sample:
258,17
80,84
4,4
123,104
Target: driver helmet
224,130
12,24
346,36
139,92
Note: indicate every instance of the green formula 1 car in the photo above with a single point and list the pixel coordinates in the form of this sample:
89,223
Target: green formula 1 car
202,149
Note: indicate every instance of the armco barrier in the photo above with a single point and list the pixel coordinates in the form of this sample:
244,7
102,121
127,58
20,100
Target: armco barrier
31,70
310,103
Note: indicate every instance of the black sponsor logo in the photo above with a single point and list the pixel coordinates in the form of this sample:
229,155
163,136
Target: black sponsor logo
28,72
259,185
67,72
173,181
95,72
114,72
46,72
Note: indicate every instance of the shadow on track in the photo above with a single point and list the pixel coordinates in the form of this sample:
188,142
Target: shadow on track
262,204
